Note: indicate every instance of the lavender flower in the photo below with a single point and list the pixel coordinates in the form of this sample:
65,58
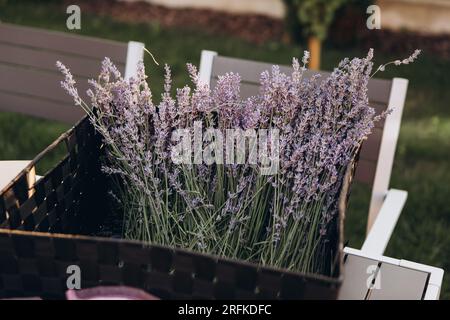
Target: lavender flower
69,84
398,62
231,209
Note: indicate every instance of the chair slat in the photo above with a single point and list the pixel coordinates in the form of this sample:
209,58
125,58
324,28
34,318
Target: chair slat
63,42
40,108
365,171
361,270
45,60
36,83
379,90
399,283
371,147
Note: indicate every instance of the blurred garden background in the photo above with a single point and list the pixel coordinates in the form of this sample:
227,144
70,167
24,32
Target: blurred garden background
177,35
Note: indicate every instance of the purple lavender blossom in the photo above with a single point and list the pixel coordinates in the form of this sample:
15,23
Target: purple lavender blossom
231,209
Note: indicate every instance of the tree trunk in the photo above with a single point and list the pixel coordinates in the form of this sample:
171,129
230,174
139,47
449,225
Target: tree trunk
314,46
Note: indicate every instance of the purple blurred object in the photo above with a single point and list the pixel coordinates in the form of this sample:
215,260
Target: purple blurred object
109,293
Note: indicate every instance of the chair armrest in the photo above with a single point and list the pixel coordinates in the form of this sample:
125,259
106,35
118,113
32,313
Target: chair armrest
381,231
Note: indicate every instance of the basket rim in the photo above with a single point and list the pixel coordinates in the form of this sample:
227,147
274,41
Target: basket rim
307,275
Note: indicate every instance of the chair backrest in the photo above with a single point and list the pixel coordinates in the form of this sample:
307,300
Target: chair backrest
377,154
30,81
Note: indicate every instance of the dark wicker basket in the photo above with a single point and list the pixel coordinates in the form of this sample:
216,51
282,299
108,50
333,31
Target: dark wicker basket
45,228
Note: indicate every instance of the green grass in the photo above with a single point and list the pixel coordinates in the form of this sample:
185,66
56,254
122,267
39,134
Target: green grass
23,137
422,165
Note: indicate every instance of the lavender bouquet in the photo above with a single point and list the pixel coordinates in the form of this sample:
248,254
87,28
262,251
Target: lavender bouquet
276,207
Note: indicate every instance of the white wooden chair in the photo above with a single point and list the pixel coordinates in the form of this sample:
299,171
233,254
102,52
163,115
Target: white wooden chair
374,169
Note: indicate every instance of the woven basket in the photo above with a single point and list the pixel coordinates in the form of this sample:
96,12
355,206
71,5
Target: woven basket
45,228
